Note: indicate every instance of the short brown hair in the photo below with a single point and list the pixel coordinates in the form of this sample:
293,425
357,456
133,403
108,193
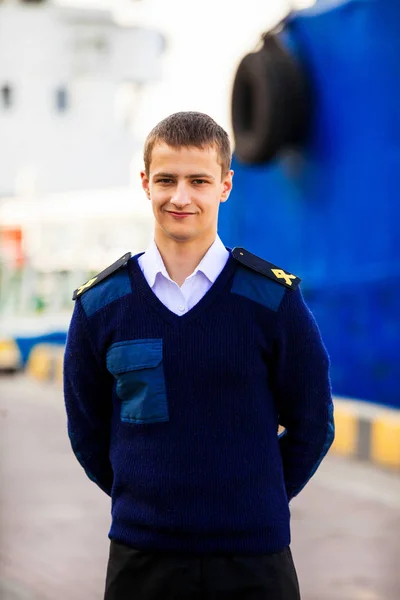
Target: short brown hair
186,129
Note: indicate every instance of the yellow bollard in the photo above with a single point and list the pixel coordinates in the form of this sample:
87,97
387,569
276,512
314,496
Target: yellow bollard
40,362
385,441
346,432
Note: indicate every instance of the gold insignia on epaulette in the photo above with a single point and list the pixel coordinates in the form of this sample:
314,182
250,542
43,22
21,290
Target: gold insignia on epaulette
86,286
280,274
266,268
101,276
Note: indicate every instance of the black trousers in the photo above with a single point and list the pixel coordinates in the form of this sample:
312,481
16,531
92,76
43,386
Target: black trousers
137,575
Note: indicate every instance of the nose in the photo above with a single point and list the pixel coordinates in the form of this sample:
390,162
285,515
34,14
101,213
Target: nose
181,197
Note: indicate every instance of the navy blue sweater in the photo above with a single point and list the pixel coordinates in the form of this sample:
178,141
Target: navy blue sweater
176,417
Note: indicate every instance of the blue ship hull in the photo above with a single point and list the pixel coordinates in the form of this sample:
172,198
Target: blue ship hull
330,212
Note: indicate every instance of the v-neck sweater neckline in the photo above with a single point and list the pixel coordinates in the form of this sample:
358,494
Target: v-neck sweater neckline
140,284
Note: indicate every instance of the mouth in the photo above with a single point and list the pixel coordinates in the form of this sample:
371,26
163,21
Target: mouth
179,215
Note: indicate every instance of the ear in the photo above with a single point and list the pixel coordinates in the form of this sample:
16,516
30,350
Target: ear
227,184
145,183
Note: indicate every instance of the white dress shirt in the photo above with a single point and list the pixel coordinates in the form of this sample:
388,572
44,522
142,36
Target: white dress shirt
181,299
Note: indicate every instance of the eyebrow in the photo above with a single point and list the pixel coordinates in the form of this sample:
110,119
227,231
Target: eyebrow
192,176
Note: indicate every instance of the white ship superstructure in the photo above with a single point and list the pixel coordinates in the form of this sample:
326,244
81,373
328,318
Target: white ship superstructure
68,82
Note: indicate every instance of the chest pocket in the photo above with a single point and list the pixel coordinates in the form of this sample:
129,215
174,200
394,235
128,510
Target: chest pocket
138,369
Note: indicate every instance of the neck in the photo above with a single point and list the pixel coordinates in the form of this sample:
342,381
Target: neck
181,258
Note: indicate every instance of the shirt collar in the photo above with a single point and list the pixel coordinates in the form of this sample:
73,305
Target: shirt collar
152,264
211,264
213,261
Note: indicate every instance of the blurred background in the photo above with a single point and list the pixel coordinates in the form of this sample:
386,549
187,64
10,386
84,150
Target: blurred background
309,93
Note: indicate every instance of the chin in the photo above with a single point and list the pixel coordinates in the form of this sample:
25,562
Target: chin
180,237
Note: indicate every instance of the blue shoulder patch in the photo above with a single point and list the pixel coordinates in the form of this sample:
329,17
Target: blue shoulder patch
115,286
259,288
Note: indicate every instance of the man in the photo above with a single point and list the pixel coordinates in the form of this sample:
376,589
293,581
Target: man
180,364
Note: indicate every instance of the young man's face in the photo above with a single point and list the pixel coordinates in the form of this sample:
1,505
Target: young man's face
185,187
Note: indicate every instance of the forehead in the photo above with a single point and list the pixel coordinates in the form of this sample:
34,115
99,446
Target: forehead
166,158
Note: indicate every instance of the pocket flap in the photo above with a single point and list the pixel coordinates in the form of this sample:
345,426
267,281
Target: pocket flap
134,354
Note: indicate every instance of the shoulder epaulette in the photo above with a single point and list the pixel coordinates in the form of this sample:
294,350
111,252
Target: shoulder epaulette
101,276
265,268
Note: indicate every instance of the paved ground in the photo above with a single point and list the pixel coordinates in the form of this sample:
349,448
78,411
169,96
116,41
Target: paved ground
54,522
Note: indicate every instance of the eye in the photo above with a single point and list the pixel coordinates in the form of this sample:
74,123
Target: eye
164,181
199,181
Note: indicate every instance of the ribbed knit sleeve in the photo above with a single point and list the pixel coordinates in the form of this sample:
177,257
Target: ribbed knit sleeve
87,393
302,391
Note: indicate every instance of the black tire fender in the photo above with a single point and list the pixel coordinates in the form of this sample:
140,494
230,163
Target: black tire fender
270,102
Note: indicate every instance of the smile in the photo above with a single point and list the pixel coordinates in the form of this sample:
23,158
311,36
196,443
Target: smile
179,215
